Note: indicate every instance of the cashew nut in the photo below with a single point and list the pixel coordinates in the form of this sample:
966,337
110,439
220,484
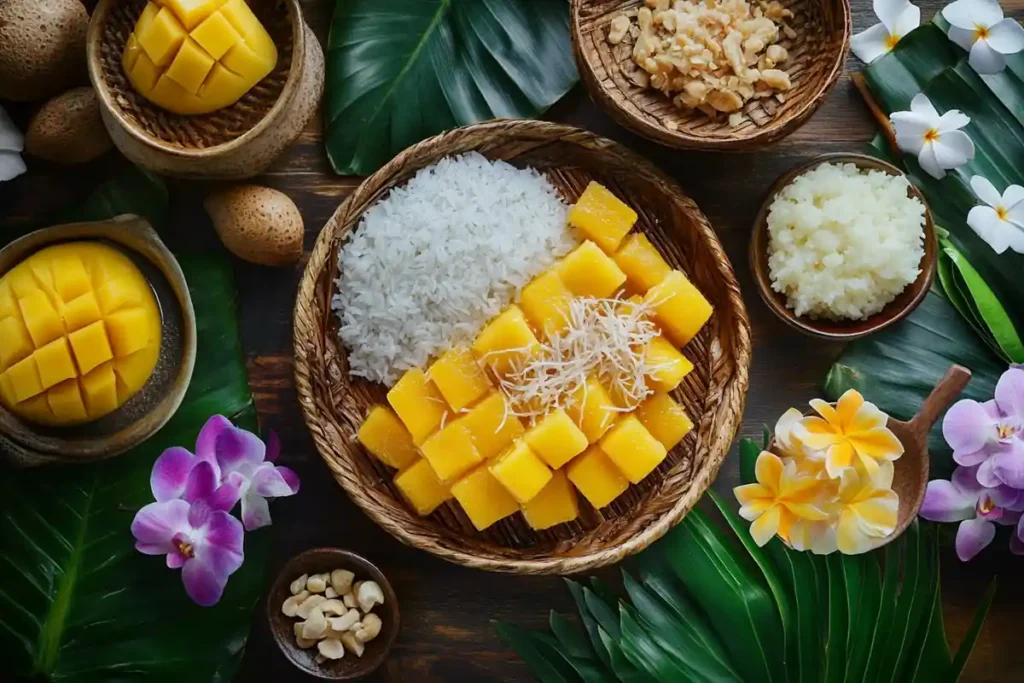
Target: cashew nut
341,581
331,648
290,607
298,585
349,600
316,626
372,625
351,644
331,594
369,594
308,604
316,584
335,607
346,621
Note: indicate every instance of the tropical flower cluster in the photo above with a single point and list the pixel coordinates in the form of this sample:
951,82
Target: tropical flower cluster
191,522
828,487
988,486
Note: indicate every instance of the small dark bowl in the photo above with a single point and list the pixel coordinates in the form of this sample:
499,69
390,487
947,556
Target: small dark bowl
840,330
318,561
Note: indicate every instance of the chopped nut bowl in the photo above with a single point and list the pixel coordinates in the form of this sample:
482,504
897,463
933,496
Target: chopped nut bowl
712,74
333,614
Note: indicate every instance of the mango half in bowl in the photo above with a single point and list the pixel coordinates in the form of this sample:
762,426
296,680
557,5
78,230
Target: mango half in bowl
97,341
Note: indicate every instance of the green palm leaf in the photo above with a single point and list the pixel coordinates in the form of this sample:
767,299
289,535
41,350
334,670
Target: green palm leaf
399,71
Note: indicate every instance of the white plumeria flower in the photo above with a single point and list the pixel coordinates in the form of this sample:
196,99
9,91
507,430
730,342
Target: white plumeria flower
1000,221
979,27
898,17
11,144
937,141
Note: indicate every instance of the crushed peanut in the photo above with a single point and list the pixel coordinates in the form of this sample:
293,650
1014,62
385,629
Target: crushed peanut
714,55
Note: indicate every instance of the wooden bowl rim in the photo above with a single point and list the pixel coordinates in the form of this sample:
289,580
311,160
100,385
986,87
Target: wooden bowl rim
120,230
346,559
776,302
94,39
734,389
680,139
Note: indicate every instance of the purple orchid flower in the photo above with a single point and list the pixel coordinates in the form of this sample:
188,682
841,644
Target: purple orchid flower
229,465
977,507
204,542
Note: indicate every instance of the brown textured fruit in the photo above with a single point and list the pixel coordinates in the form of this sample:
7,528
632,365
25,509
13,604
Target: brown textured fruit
257,224
68,129
42,47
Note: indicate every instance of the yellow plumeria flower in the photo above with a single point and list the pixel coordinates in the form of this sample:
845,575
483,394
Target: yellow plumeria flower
853,431
786,442
868,509
781,497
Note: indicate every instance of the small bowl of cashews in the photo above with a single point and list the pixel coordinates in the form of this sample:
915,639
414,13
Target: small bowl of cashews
333,614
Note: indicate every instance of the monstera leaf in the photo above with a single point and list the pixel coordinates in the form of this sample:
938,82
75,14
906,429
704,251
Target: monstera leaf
399,71
77,603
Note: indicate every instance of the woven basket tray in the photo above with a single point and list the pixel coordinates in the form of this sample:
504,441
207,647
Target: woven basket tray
816,59
334,404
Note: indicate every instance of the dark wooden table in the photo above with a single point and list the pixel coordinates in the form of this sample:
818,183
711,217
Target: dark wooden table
446,633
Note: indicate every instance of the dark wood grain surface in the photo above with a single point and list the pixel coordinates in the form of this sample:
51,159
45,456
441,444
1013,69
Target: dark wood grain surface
446,610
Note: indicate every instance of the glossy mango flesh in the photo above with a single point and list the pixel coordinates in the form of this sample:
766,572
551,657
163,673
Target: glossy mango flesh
197,56
79,334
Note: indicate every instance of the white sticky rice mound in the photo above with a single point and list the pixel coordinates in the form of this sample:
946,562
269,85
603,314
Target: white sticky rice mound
844,243
438,257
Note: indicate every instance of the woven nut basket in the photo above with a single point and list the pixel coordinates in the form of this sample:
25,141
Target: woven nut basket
334,404
239,141
816,58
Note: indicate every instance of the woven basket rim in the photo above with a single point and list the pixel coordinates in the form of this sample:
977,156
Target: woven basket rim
94,40
734,392
683,140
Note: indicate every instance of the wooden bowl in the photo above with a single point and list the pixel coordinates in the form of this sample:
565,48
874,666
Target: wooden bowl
25,444
334,404
816,59
318,561
842,330
239,141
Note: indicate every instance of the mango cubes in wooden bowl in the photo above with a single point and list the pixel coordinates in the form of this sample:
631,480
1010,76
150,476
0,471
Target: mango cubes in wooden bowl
79,334
476,454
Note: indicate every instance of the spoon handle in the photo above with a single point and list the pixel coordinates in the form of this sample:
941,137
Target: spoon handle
948,388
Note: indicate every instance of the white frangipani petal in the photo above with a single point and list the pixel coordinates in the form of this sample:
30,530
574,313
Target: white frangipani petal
907,21
923,106
964,37
970,14
871,44
889,11
985,221
1013,198
936,140
929,162
954,119
11,166
1006,37
984,59
953,149
985,190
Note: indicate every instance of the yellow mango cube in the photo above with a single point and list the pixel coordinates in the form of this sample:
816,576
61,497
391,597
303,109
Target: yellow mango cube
505,341
555,504
419,485
588,271
451,451
483,498
641,262
57,321
592,409
492,426
197,56
521,472
24,380
420,406
459,377
664,419
387,439
545,302
633,449
679,307
556,438
596,477
99,389
668,365
602,216
8,302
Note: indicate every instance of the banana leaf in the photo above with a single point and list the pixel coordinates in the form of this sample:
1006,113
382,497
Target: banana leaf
399,71
927,61
898,367
77,603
